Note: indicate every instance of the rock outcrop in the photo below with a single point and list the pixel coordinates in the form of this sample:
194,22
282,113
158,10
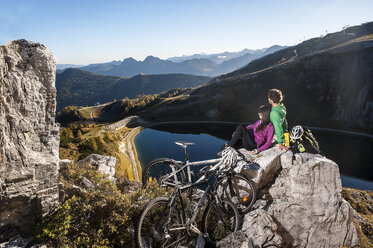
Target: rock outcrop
300,203
308,203
29,138
263,167
101,163
258,230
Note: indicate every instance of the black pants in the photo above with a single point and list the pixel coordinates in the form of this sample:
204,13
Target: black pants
243,138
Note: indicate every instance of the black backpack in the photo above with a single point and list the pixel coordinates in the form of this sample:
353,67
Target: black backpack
305,143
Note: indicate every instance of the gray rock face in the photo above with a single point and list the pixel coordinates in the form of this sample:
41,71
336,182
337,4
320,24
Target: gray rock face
103,164
307,201
29,139
262,167
258,230
301,206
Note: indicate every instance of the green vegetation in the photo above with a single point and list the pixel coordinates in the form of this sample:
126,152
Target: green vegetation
132,106
79,140
75,137
362,202
86,139
69,114
101,217
81,88
142,103
118,109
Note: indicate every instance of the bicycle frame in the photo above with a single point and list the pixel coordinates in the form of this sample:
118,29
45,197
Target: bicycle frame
187,165
209,191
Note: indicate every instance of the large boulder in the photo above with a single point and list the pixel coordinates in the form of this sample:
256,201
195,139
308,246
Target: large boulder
258,230
301,203
261,168
29,138
103,164
308,203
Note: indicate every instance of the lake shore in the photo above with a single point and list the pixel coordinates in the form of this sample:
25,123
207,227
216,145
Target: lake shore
130,150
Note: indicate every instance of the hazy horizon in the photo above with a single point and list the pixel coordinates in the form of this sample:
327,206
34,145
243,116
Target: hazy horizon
183,55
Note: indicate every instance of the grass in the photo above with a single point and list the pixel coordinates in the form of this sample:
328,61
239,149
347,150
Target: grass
126,164
362,202
138,164
109,147
368,37
86,112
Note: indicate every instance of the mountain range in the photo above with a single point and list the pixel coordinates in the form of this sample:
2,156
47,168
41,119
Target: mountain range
199,64
80,88
327,82
218,58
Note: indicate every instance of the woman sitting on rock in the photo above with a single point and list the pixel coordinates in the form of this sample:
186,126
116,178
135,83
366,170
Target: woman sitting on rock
256,137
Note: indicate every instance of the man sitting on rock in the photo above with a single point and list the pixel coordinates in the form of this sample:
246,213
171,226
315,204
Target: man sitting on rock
278,116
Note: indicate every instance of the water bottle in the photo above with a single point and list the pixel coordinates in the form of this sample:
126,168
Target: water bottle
287,141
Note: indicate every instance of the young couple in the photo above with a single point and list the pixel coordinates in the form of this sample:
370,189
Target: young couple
272,121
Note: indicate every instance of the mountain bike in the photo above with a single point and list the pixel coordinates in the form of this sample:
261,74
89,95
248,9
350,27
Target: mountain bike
236,186
169,222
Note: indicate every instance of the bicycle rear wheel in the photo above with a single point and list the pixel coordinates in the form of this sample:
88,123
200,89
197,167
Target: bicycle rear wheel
154,222
158,169
220,220
240,189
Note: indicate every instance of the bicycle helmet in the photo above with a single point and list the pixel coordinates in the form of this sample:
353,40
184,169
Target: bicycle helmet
296,132
229,157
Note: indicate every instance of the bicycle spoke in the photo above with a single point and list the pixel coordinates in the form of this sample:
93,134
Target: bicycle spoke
220,220
239,189
152,230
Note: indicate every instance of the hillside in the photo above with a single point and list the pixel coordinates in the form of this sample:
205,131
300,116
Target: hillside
328,84
206,65
306,48
80,88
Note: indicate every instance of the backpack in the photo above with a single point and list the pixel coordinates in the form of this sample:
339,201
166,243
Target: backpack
302,140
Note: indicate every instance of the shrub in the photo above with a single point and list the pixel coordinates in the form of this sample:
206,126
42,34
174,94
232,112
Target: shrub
66,137
102,217
69,114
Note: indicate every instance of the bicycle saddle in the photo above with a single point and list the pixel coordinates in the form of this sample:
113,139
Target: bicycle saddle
183,143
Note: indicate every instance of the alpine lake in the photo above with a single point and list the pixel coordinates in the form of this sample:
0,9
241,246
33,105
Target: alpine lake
352,152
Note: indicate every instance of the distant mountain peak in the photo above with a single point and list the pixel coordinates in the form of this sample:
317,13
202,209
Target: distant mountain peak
129,59
202,64
151,59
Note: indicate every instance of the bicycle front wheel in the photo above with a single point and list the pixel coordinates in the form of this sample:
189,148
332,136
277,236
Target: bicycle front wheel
160,168
154,224
220,220
240,189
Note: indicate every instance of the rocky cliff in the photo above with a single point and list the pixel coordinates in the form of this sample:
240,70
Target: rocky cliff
29,138
300,203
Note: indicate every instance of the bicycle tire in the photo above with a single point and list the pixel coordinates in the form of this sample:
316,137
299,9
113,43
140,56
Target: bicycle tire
149,231
218,227
160,167
244,191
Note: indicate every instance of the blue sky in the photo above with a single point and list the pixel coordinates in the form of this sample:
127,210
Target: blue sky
82,31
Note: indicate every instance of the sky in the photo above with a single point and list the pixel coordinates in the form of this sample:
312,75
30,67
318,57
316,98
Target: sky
93,31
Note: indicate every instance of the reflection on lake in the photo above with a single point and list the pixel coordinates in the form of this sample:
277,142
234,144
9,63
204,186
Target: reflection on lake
353,154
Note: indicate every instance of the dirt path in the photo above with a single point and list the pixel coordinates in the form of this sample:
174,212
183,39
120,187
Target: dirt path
91,114
127,147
